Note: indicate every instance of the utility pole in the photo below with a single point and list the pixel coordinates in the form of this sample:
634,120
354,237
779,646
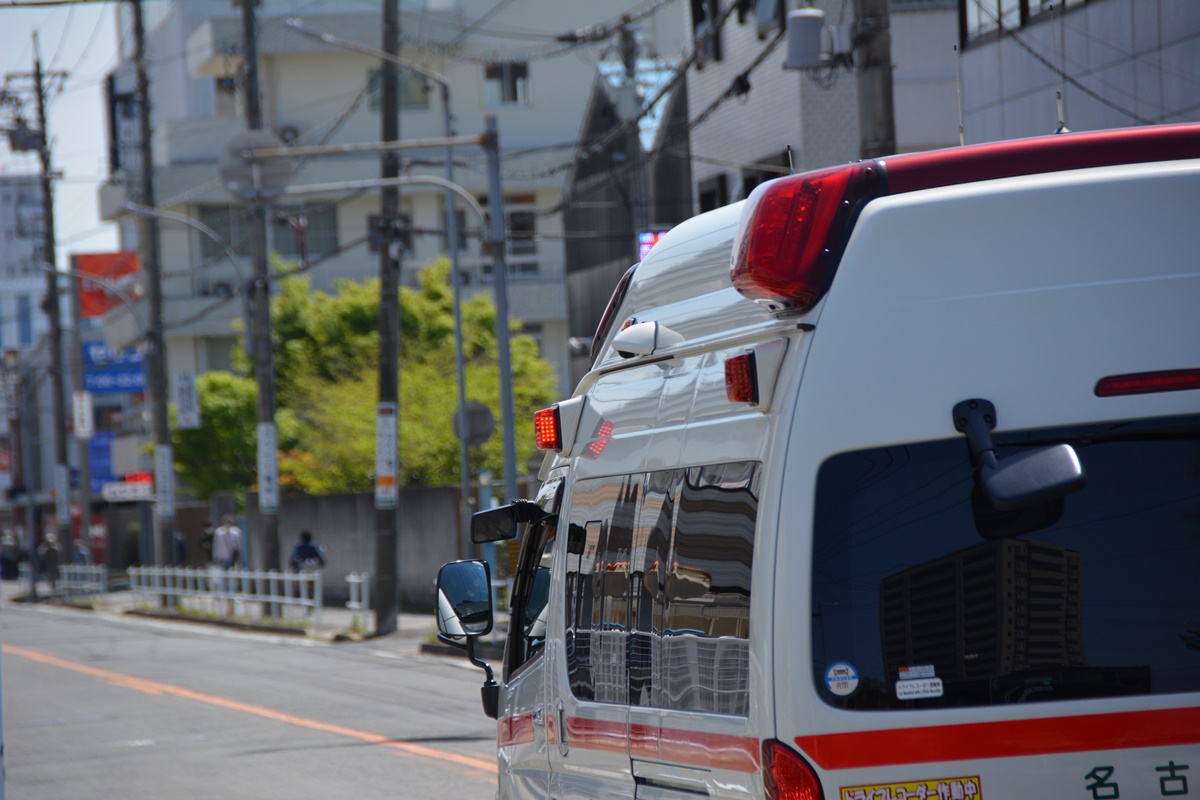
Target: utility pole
156,349
387,422
876,114
500,276
260,285
62,481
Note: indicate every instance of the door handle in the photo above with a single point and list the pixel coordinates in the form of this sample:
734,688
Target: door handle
563,748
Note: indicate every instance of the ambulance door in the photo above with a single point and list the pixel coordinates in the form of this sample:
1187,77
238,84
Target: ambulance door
522,727
589,681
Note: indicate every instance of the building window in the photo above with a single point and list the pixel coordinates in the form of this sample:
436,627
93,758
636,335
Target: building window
769,168
232,225
225,98
506,84
414,89
705,14
460,219
24,320
714,192
981,20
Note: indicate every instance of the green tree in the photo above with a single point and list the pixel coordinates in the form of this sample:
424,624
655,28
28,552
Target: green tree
335,402
220,454
326,364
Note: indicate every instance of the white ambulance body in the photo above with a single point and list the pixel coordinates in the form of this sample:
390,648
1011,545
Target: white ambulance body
906,504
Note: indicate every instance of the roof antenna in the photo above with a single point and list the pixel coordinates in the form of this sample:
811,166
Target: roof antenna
791,166
1056,14
962,135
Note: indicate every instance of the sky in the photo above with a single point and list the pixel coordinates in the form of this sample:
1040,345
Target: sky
79,39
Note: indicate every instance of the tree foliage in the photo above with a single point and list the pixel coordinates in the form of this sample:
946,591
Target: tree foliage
326,349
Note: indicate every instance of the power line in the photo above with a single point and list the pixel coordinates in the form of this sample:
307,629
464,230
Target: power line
1060,72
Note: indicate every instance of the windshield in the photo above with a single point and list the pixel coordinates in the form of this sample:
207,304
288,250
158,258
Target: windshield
913,608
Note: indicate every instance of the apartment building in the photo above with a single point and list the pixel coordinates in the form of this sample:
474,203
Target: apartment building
806,120
23,324
530,65
1115,63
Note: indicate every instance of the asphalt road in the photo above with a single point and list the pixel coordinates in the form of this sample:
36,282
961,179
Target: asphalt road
98,706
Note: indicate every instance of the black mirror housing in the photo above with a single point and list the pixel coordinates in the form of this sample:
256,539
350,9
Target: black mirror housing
500,523
464,600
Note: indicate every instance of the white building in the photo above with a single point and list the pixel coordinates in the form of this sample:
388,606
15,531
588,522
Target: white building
23,324
1116,62
509,61
744,139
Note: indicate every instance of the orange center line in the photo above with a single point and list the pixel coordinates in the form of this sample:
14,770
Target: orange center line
158,688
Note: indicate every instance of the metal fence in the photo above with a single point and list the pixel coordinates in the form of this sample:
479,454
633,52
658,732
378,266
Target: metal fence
255,594
82,580
359,584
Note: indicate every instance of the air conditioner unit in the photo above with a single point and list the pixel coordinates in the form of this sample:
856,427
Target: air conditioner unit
222,289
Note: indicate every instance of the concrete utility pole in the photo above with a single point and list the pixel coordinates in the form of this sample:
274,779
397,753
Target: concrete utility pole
62,485
876,115
500,276
156,346
387,431
264,360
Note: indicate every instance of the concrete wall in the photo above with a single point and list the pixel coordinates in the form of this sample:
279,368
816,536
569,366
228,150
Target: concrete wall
344,527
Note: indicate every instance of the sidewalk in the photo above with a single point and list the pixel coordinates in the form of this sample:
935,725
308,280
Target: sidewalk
337,622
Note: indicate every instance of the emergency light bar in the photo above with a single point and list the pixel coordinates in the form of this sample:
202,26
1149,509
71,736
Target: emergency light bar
793,230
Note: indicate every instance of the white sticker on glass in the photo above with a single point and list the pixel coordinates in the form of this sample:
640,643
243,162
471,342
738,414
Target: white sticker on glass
841,678
920,689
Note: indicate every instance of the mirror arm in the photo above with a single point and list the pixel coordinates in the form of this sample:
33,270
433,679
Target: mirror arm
976,418
478,662
489,693
527,511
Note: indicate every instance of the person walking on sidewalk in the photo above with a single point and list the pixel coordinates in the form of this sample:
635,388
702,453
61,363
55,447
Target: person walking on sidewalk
227,543
306,557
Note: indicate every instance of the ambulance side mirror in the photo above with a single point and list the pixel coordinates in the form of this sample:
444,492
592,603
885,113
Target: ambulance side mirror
464,591
500,523
464,599
644,339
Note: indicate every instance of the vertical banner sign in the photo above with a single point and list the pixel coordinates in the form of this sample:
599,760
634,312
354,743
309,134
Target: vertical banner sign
84,427
386,451
164,482
62,494
268,470
187,402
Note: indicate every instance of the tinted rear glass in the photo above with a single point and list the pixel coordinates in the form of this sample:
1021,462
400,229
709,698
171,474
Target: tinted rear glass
913,608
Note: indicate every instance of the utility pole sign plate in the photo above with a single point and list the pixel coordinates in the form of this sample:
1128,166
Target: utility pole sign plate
187,402
386,454
164,481
268,470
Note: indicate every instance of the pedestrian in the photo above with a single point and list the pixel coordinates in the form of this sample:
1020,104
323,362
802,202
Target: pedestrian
50,554
206,539
306,555
181,550
227,543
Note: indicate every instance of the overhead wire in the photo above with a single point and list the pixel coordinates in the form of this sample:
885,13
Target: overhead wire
1061,73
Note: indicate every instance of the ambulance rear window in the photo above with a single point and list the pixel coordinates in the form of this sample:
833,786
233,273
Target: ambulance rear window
914,608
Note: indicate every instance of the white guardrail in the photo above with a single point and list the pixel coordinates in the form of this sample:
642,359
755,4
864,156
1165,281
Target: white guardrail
82,580
359,584
235,593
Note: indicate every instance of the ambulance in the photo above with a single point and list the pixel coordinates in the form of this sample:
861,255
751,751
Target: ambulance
884,484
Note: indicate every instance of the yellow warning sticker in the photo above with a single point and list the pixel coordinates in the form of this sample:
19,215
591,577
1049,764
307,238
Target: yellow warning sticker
937,789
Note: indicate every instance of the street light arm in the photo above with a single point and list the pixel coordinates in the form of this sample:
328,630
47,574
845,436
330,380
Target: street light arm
107,284
406,180
159,213
335,41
